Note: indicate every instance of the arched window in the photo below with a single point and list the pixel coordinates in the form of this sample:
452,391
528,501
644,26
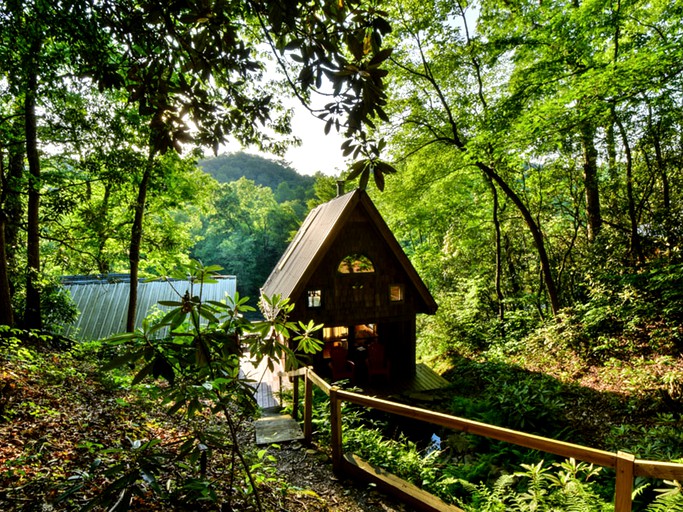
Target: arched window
355,264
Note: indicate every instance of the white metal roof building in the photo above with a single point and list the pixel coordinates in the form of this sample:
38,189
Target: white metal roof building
103,302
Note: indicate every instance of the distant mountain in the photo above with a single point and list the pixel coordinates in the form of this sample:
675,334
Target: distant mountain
263,171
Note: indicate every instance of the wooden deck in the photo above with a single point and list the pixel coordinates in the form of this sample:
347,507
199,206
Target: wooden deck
420,385
267,384
425,379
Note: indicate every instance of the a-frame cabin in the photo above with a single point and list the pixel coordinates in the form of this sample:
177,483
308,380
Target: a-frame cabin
345,269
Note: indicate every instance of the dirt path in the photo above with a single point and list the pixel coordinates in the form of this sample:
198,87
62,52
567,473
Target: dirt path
310,468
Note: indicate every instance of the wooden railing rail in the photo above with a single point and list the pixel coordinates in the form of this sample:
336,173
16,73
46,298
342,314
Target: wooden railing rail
560,448
626,465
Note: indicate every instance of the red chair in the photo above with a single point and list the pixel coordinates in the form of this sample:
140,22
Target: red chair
340,365
377,362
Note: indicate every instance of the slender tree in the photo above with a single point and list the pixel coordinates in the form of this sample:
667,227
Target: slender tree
525,95
32,313
443,122
6,313
38,45
192,70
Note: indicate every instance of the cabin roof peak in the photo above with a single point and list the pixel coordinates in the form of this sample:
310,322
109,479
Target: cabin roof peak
316,235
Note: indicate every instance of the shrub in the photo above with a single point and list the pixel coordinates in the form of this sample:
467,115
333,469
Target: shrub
567,487
194,370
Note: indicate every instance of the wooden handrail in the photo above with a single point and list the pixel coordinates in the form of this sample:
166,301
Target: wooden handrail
657,469
625,464
534,442
296,373
624,484
322,384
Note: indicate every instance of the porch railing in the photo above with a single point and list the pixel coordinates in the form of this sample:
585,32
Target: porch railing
626,465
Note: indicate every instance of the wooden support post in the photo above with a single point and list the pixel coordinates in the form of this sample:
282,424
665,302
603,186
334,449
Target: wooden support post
295,397
336,429
624,485
308,410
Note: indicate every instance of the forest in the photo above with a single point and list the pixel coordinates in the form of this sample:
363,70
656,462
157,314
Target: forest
528,156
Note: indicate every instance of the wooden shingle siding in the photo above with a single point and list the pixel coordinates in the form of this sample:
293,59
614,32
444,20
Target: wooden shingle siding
349,233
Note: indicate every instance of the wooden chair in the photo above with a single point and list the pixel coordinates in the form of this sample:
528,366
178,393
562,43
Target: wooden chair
377,362
340,365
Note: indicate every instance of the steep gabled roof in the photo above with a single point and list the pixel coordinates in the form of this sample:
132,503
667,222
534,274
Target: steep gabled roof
316,235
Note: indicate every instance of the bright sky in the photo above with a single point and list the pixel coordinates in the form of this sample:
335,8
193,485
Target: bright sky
318,152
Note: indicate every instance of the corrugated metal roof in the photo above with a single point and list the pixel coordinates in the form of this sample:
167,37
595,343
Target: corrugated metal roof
315,236
104,304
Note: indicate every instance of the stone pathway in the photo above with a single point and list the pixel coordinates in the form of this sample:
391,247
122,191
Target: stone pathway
273,427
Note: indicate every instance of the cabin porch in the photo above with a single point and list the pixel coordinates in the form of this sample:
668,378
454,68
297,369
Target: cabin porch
268,385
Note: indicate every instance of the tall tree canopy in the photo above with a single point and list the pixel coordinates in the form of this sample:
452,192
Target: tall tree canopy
247,233
193,71
569,114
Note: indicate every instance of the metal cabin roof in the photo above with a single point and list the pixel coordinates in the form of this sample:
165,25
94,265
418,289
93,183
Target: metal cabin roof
103,304
316,235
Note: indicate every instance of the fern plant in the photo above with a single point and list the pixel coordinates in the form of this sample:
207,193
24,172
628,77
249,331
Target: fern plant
562,487
485,499
669,499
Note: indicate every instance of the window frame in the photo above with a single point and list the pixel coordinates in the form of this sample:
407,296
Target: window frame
311,296
401,289
352,258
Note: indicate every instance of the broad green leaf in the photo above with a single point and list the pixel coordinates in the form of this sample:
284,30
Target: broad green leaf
144,372
171,303
123,359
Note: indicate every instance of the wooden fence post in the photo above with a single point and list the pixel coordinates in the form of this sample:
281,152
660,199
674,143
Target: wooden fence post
336,429
295,398
308,409
624,486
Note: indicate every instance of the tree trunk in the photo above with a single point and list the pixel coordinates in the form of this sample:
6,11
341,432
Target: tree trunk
661,168
546,271
590,180
513,277
136,241
12,188
635,250
32,314
499,262
103,266
611,149
12,206
6,313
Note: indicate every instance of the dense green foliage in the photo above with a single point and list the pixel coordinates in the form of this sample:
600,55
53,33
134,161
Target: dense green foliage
285,182
148,420
257,210
537,149
543,140
196,349
247,233
95,94
479,474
